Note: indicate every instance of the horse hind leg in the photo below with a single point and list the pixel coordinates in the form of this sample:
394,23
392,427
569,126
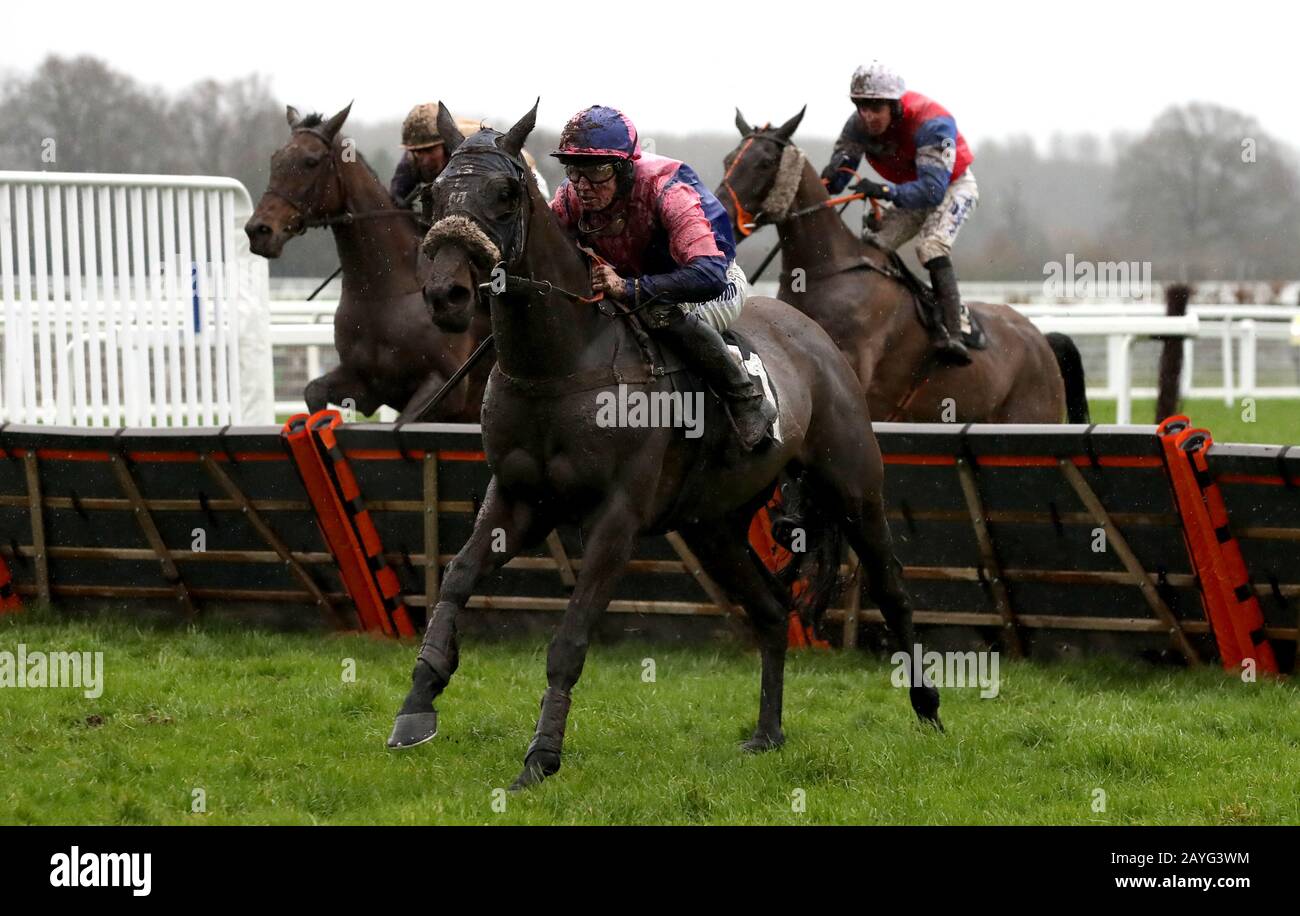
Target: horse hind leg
722,549
849,481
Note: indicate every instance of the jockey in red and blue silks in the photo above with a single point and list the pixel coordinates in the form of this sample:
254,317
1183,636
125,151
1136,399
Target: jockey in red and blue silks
929,190
668,244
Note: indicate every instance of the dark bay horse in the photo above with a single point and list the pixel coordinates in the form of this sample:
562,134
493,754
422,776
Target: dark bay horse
1022,377
389,352
560,351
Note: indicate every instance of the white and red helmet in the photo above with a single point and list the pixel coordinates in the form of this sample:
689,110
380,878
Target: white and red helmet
876,82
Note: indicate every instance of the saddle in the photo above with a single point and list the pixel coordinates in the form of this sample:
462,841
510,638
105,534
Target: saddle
927,305
666,362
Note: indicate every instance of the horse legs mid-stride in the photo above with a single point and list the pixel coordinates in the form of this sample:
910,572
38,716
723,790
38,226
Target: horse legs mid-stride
553,461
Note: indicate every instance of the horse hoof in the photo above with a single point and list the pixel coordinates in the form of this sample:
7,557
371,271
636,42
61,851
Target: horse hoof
763,742
537,767
413,728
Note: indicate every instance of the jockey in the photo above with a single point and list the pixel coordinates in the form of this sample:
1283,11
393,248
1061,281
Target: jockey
913,143
667,241
426,154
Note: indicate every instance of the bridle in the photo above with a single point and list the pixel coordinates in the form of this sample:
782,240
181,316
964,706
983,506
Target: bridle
302,208
506,282
747,223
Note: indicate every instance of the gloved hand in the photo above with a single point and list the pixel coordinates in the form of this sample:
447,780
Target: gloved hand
836,174
875,220
869,188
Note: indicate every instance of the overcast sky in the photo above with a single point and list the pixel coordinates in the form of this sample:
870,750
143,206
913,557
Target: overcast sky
1002,69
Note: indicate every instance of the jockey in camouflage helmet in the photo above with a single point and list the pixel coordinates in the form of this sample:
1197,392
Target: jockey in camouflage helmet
667,241
929,191
426,154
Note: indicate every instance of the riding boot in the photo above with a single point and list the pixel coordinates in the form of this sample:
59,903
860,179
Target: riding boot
704,351
947,341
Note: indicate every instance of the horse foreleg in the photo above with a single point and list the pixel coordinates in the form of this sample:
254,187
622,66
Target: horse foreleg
502,529
609,547
343,386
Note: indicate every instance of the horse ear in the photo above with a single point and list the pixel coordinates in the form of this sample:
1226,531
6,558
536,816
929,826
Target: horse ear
515,136
742,125
291,115
787,129
448,130
331,127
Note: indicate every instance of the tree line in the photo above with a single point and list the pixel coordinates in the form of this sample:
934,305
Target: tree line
1204,193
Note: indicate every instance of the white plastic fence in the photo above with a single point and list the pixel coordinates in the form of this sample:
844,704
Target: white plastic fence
130,300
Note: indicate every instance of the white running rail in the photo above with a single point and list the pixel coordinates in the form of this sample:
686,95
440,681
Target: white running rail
130,300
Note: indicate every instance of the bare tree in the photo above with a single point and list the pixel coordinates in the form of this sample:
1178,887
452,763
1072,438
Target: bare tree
1203,187
78,114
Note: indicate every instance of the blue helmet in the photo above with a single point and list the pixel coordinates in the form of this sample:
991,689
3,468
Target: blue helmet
599,131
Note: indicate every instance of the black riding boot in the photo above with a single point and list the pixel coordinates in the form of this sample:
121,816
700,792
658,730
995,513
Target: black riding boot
947,341
705,352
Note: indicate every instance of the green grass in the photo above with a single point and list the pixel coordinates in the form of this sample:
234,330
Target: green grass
264,724
1276,421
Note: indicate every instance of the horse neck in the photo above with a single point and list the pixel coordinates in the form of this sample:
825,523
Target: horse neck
378,253
554,336
819,238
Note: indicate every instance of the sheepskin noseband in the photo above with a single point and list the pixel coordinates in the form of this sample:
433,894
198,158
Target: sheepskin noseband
779,200
462,231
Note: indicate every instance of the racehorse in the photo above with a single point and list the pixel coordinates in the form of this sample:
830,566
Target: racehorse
562,350
389,352
851,290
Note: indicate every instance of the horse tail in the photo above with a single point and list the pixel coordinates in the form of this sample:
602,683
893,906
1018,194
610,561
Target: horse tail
1070,363
811,581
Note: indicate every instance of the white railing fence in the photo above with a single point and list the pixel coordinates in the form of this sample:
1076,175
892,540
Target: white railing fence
130,300
134,300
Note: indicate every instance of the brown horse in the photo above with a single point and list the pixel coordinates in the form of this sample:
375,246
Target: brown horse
389,352
554,460
845,286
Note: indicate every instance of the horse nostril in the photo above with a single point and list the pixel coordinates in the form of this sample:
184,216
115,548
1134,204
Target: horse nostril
458,296
262,229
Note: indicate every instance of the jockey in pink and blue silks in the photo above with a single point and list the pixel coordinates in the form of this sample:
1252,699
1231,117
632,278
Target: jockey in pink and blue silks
668,243
913,143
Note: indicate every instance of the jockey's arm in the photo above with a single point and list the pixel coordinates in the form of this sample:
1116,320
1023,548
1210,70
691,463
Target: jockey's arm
847,154
701,272
936,154
700,279
404,180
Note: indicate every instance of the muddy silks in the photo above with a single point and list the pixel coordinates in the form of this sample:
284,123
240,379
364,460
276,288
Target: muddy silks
341,535
1230,602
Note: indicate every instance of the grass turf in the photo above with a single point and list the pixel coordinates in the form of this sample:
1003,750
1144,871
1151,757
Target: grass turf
266,726
1276,422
